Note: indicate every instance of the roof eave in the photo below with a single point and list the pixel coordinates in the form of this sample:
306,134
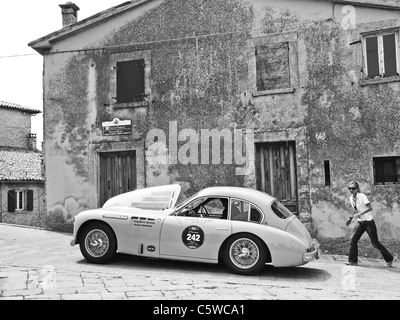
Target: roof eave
44,44
22,181
377,5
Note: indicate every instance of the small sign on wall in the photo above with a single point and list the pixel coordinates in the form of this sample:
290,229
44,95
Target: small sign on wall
117,127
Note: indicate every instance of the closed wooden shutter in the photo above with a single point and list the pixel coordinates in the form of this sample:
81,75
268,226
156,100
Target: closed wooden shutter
272,63
389,49
12,200
29,201
372,57
130,81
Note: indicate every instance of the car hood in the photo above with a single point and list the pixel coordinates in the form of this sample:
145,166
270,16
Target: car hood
153,198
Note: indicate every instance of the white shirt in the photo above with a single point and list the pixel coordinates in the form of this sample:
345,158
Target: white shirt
360,202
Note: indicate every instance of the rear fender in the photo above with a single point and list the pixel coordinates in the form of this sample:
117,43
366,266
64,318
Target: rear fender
285,249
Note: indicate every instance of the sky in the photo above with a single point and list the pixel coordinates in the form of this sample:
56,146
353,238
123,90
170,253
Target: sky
21,67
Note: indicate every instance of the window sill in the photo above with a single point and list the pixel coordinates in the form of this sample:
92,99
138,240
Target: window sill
386,183
365,82
272,92
131,104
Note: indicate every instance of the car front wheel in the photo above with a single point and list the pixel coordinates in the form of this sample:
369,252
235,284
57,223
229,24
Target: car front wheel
98,243
245,254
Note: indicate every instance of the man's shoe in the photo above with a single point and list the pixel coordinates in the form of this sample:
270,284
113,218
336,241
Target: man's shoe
389,264
349,263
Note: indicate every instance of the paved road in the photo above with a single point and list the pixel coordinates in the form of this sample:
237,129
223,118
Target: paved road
39,265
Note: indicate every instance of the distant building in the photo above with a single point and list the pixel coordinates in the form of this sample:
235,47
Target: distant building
22,183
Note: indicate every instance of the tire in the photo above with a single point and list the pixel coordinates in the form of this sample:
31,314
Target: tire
98,243
245,254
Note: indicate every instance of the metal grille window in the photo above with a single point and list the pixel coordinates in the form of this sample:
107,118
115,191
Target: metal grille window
381,55
386,170
130,81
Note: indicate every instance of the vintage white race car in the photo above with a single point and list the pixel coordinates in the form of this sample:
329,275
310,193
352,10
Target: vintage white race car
244,228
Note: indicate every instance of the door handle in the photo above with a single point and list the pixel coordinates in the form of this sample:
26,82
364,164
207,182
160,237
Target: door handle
223,229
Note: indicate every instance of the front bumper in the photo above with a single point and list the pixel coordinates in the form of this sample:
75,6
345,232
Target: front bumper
72,242
311,255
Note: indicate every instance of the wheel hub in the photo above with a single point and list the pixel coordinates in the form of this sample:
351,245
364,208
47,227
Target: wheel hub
244,253
96,243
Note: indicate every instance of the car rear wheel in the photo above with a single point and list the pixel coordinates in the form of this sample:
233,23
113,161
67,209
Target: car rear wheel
245,254
98,243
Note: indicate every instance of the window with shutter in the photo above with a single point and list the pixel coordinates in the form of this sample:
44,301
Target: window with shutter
272,64
381,54
130,81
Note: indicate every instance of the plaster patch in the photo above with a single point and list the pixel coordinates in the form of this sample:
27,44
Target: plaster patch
63,180
355,112
328,224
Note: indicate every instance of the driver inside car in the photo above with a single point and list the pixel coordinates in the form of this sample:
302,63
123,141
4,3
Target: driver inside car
216,208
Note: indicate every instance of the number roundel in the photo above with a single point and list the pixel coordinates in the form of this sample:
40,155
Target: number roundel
193,237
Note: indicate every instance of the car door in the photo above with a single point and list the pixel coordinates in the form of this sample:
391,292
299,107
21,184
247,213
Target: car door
195,237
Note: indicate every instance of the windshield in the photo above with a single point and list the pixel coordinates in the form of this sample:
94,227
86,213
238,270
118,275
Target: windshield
280,210
184,202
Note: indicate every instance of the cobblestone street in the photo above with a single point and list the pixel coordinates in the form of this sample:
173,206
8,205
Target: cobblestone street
37,264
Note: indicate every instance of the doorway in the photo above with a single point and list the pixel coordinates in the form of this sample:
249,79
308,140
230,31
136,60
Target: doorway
117,174
276,172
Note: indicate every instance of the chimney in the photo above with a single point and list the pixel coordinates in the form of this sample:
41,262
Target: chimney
32,145
69,13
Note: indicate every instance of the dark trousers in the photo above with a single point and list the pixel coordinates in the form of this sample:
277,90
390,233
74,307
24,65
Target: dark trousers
370,228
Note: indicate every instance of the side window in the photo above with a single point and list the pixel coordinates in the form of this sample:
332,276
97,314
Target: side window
217,208
255,215
240,210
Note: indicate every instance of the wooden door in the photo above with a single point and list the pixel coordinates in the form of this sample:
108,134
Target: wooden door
276,172
117,174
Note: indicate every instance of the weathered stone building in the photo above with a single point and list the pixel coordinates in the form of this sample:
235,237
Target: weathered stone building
22,190
304,94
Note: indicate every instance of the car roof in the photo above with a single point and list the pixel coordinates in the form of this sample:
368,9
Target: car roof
252,195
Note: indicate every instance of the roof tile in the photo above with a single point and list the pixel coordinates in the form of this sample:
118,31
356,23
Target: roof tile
19,107
20,165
